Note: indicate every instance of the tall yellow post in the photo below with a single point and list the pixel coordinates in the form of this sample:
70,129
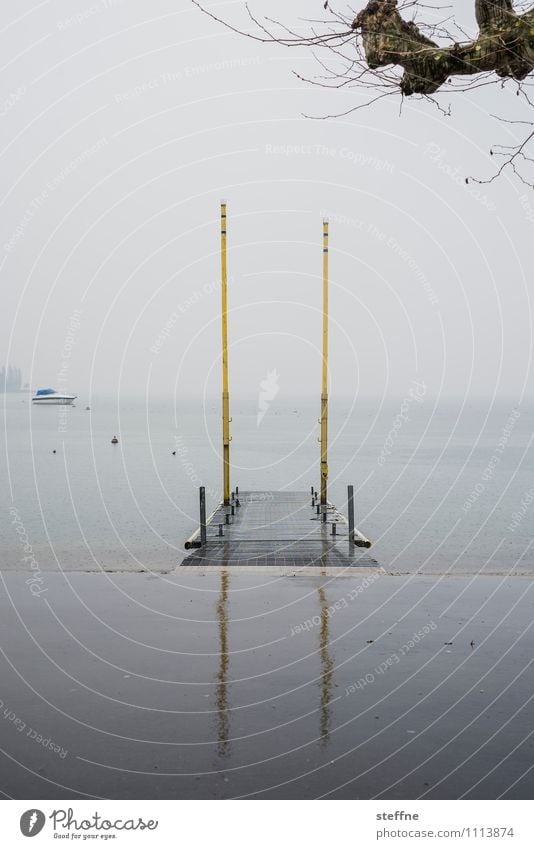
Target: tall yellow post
225,391
324,389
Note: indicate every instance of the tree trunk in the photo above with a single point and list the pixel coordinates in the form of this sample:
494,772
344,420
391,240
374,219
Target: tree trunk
505,45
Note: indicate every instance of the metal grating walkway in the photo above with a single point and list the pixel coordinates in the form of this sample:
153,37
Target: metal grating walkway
280,531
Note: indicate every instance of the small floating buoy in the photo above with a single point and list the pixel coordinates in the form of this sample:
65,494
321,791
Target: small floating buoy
114,441
54,451
174,453
88,408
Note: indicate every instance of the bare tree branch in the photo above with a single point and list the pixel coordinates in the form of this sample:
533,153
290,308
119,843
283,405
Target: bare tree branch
388,47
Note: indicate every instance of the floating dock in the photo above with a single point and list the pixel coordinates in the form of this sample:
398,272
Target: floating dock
283,532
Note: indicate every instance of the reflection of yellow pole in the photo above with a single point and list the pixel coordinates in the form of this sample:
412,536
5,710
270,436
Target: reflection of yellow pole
327,667
225,392
224,661
324,388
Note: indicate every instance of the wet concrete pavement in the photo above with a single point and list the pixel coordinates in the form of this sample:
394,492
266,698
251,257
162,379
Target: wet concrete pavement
254,685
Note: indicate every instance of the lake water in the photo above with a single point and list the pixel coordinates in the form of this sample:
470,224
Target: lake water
439,487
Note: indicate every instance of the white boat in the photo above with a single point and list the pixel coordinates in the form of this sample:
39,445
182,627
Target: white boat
50,396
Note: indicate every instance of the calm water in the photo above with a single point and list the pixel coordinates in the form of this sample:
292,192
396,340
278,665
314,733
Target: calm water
437,485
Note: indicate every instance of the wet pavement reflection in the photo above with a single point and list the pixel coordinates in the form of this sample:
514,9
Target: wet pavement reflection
327,667
223,725
232,685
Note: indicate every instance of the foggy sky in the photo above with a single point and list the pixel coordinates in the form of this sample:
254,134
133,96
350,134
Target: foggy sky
124,124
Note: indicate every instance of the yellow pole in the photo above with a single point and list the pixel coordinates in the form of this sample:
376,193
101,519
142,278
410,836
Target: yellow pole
225,392
324,389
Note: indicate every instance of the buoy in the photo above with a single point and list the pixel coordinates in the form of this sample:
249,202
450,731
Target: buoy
54,451
174,453
114,440
88,408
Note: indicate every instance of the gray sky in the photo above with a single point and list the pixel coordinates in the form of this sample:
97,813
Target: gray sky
124,123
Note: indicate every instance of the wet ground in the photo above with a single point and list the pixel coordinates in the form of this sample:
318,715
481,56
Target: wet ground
280,531
253,685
